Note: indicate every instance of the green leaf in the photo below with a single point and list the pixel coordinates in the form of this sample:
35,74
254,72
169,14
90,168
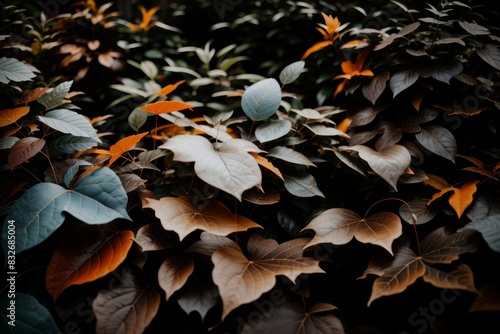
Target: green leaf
30,316
12,69
97,198
70,122
70,174
69,144
262,99
291,72
402,80
302,184
490,54
489,227
438,140
272,130
56,96
137,118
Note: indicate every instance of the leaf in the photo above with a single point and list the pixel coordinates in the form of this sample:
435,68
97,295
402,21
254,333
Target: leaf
10,116
262,99
209,243
12,69
419,210
179,215
445,70
439,141
291,72
97,198
402,80
290,155
173,274
460,278
462,198
266,164
339,226
229,167
316,47
70,122
442,246
488,298
137,119
391,135
302,184
490,54
489,227
123,145
270,196
241,280
473,28
436,182
165,107
349,160
69,144
364,116
376,86
389,164
88,253
322,130
200,294
272,130
24,149
31,318
30,96
295,319
56,96
127,308
153,237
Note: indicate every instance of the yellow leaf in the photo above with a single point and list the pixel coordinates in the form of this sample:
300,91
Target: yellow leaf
123,145
10,116
165,107
462,197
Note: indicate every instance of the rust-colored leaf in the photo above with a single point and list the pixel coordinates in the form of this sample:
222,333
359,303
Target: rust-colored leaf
165,107
127,307
91,252
168,88
463,197
270,196
461,278
481,171
23,149
30,96
474,160
242,280
173,274
153,237
179,215
123,145
10,116
488,298
339,226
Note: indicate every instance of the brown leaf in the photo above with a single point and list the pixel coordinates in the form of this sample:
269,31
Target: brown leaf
126,308
339,226
436,182
460,278
173,274
179,215
90,253
256,196
488,298
481,171
24,149
30,96
209,243
376,86
441,246
153,237
293,318
241,280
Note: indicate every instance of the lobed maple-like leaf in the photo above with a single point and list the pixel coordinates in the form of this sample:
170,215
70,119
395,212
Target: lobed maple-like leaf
179,215
242,280
88,254
339,226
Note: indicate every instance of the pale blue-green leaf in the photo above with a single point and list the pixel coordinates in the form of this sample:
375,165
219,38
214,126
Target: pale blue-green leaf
137,118
262,99
402,80
69,144
490,54
301,184
473,28
55,97
69,122
31,317
439,141
445,70
7,142
489,228
291,72
12,69
272,130
290,155
149,68
70,174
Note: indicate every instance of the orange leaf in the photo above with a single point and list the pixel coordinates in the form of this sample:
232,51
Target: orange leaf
90,253
165,107
10,116
344,125
123,145
462,197
168,89
266,164
316,47
441,193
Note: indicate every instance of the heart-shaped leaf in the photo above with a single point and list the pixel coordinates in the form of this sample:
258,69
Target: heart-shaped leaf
402,80
91,252
389,164
173,273
179,215
229,167
438,140
241,280
339,226
262,99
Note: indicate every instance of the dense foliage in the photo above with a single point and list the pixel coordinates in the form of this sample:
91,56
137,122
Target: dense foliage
250,167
